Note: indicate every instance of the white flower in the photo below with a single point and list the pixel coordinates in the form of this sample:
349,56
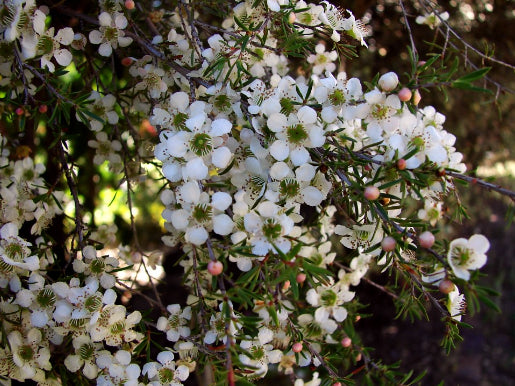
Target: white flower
467,255
165,370
388,81
323,61
49,45
456,304
432,19
175,325
110,34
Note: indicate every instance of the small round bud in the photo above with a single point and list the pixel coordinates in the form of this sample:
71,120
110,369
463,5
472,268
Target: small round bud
388,81
358,318
405,94
297,347
368,167
337,384
388,244
126,62
129,4
292,17
19,111
301,278
426,239
215,268
416,97
43,109
401,164
371,193
358,357
286,285
346,342
446,286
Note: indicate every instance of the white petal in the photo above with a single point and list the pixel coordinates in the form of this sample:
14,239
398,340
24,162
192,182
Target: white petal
299,156
222,224
195,169
280,150
307,115
221,157
105,19
479,243
95,37
279,170
65,36
277,122
63,57
221,200
312,196
220,127
197,236
105,49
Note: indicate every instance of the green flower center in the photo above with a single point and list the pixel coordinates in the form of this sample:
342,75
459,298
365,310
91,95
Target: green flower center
118,327
380,111
296,134
337,97
111,34
26,352
271,229
287,106
45,45
46,298
289,188
179,121
166,375
93,303
97,266
86,351
201,144
202,213
222,102
328,298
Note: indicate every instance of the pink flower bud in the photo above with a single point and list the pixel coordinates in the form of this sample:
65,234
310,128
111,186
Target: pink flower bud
388,244
371,193
215,267
405,94
426,239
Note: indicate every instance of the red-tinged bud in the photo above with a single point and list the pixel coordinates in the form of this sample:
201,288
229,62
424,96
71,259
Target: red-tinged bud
426,239
358,357
286,285
297,347
215,268
127,61
405,94
416,97
301,278
446,286
19,111
337,384
401,164
346,342
292,17
368,168
129,4
421,63
358,318
43,109
371,193
388,244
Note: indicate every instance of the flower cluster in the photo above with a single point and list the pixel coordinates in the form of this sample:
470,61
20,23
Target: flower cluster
260,168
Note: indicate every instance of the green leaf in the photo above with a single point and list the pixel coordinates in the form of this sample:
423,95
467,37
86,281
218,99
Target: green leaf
474,75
